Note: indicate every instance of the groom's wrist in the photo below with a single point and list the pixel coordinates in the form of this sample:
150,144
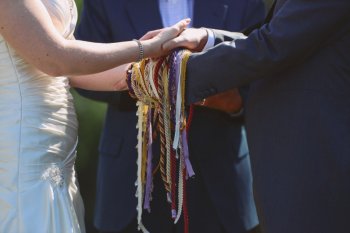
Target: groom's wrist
210,39
202,35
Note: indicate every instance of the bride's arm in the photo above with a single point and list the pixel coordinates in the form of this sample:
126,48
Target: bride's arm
110,80
27,27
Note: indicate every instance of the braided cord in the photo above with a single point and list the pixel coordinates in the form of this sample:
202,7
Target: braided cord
159,87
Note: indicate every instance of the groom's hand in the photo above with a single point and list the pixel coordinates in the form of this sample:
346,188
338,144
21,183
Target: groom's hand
192,38
229,101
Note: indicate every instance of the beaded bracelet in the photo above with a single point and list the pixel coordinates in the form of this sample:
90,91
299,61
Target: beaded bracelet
141,50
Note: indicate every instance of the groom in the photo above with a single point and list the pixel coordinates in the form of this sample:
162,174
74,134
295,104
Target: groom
221,194
298,115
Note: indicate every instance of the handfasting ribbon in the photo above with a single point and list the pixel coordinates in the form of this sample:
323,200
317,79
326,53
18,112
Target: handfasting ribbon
167,129
159,87
139,193
178,106
149,183
161,125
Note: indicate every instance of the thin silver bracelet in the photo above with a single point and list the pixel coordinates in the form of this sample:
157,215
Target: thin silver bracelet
141,51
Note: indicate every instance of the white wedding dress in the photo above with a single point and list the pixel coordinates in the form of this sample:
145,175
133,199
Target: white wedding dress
38,136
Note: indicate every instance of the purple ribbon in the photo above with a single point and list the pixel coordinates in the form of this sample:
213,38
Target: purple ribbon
188,164
149,182
173,213
172,83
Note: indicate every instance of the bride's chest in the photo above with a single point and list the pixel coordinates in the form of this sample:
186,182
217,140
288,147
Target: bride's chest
63,14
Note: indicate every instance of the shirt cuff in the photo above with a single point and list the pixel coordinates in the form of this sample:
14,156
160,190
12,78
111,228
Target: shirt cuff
211,40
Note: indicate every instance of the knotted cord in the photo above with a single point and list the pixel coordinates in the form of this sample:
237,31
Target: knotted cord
159,87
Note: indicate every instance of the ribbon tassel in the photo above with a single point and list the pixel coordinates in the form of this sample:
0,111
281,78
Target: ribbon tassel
159,87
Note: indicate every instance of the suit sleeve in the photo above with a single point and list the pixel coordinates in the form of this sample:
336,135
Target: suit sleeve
254,15
297,30
94,27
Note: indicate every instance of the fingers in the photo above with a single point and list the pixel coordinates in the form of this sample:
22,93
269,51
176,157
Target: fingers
157,38
180,27
176,29
192,38
179,41
151,34
120,85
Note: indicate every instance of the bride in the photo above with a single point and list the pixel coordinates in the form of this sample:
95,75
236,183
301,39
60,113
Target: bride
38,126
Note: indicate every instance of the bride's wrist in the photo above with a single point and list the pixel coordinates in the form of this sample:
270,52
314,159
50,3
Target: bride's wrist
141,50
151,47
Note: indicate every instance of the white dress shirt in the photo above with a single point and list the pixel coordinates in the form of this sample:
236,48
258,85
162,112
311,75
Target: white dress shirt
173,11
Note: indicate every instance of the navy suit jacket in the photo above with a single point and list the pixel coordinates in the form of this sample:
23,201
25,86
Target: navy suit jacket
217,143
298,114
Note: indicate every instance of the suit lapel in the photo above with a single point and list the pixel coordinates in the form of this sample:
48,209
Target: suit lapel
270,13
144,15
279,4
209,13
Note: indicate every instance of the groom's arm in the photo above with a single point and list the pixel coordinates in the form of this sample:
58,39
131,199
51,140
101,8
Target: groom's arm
297,31
232,101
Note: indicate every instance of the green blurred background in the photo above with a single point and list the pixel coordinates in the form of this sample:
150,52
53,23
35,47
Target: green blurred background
90,116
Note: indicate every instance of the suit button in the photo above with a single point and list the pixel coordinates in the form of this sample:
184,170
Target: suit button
206,92
212,90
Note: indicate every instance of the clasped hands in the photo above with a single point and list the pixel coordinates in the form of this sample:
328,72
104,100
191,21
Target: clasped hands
195,40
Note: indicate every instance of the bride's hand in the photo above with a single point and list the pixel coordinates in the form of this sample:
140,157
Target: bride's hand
153,41
192,38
